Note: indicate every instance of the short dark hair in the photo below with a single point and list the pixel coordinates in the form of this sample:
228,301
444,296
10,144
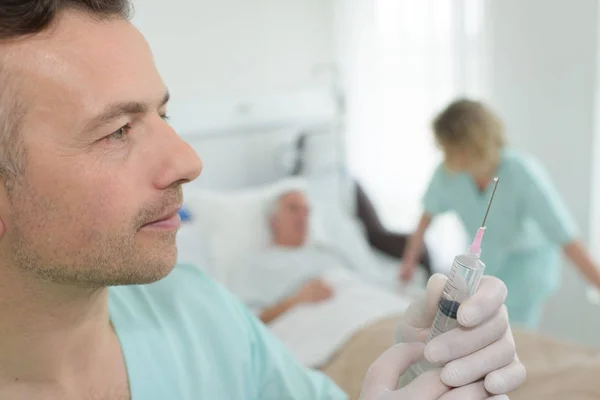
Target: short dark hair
25,17
20,18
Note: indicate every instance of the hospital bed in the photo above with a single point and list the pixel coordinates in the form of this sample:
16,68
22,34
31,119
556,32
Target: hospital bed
249,160
342,339
556,370
227,227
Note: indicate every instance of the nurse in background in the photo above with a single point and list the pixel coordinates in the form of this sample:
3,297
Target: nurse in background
529,225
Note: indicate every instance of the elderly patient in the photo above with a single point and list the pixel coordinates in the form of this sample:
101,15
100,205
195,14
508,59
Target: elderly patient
289,272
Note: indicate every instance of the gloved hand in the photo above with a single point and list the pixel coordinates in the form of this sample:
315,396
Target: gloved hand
479,356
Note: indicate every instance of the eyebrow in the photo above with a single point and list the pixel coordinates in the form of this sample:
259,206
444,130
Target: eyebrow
118,110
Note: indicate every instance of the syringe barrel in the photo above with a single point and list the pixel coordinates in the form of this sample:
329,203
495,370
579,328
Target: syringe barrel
468,268
465,275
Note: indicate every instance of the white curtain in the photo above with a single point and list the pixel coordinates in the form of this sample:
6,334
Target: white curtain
402,61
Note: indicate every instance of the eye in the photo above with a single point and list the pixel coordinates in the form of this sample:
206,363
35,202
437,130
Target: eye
121,133
165,117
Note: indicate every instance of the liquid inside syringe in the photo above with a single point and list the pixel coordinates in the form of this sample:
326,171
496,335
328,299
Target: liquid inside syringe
463,281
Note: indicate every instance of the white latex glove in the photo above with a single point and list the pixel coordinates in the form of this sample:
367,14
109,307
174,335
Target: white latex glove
480,358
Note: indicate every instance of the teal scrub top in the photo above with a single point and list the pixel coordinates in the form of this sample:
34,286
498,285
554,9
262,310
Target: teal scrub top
187,338
526,227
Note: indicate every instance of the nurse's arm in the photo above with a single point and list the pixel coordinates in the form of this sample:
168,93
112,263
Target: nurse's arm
577,253
415,242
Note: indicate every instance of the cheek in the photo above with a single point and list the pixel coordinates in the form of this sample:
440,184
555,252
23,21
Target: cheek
101,206
461,162
450,166
74,216
456,163
79,203
88,192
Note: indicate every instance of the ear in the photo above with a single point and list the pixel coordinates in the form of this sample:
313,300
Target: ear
4,208
2,229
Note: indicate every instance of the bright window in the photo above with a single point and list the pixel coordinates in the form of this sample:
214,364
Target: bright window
428,52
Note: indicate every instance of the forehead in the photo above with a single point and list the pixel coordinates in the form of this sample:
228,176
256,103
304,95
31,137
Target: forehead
294,198
83,62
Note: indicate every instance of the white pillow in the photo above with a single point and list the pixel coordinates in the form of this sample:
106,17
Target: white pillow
236,224
192,247
326,196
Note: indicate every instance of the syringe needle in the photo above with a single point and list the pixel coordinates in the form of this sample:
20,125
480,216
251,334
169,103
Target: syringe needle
496,179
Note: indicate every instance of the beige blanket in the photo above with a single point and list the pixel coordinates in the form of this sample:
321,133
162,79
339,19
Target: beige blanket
555,370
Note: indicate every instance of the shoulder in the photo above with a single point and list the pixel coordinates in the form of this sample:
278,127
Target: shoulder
183,277
440,171
514,157
522,165
440,175
186,291
187,329
442,179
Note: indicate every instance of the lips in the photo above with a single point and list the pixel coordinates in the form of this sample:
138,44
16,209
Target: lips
169,219
165,217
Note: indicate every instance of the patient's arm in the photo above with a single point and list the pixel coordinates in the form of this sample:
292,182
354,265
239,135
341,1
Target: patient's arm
271,313
312,292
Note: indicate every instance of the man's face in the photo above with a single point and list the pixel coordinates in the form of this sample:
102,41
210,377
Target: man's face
102,164
290,223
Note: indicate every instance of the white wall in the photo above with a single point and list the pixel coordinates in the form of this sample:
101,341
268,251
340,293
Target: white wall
216,47
544,55
260,66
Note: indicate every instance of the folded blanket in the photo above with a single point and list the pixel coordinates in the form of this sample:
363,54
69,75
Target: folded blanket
315,332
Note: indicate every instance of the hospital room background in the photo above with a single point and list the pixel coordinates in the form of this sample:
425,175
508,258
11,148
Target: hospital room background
335,92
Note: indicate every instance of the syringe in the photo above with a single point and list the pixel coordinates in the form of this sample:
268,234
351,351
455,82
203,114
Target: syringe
463,282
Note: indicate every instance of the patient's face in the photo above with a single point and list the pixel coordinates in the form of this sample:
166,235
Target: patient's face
290,224
102,163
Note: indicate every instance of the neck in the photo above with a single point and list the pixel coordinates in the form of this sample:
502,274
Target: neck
49,332
485,175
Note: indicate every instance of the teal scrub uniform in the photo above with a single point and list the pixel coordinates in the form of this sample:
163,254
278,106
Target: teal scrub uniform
186,338
526,228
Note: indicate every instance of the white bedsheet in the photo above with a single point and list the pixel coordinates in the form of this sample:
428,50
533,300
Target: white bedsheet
315,332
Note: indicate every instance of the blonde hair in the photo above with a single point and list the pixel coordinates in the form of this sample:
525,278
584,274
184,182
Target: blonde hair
471,128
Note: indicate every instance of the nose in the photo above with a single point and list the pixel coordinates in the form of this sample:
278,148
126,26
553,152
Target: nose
180,163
